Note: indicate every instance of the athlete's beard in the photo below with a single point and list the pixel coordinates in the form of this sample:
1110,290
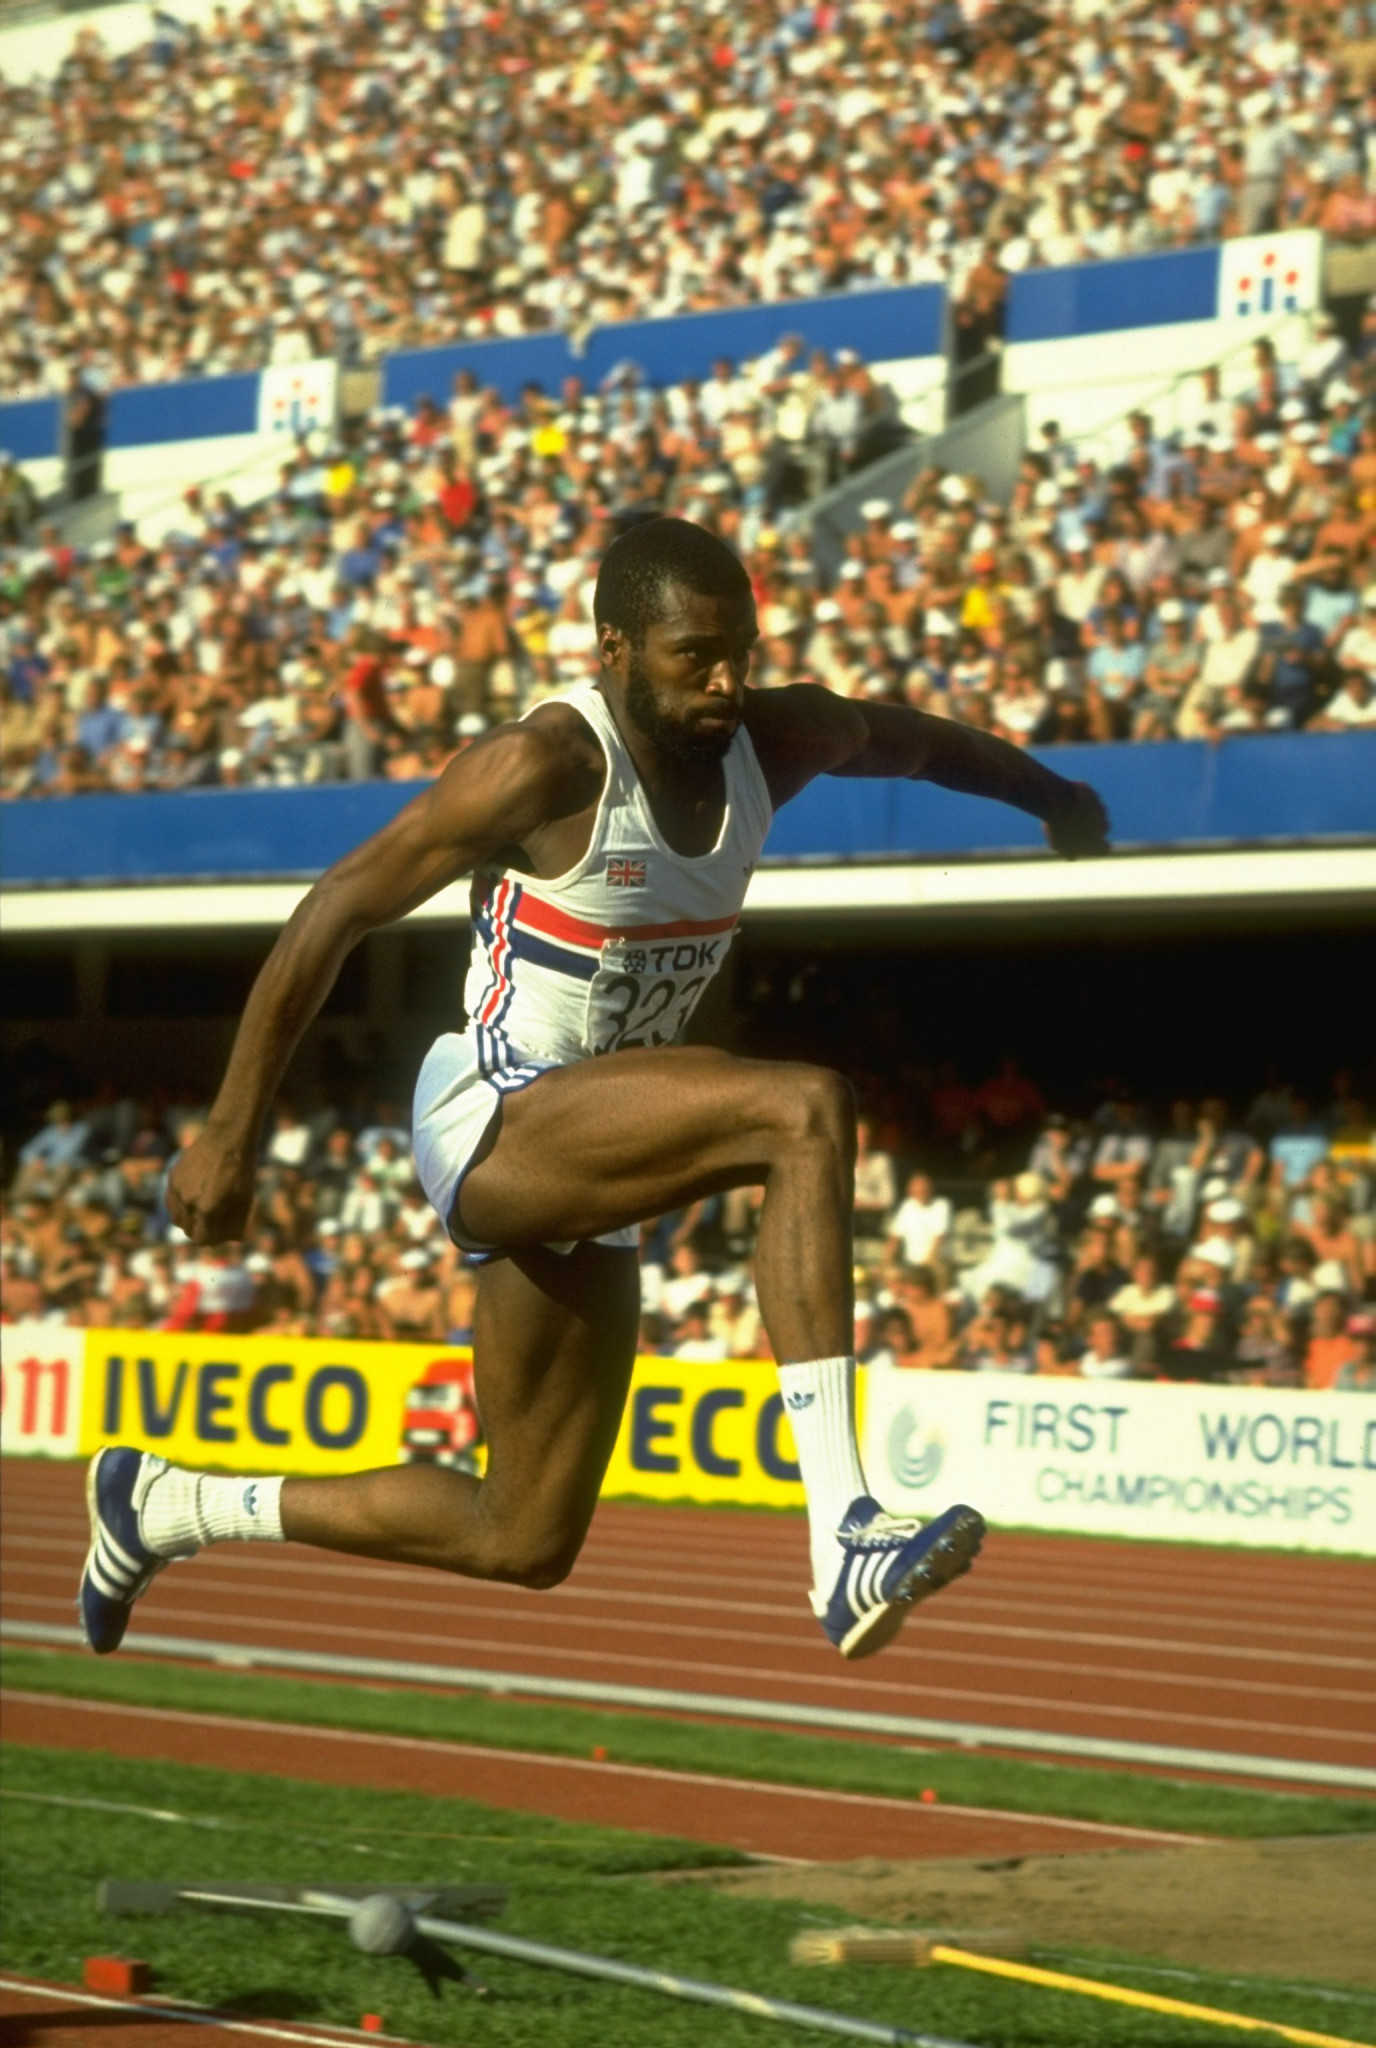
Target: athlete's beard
667,734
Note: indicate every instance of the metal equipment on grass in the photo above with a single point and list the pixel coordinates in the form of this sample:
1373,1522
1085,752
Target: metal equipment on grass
337,1904
121,1895
382,1920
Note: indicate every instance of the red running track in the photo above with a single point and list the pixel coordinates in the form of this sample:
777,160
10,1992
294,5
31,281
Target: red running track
1272,1656
789,1823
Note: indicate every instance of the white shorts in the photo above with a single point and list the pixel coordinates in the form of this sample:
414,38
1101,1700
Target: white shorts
456,1103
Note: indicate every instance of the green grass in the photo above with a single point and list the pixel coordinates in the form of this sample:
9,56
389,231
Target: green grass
577,1886
732,1750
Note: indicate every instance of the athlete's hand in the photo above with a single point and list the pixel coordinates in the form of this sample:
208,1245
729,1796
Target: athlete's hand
1078,826
210,1190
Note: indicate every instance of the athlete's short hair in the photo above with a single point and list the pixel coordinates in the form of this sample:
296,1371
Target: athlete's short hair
642,563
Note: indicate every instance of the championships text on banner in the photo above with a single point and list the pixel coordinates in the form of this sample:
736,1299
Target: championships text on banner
1212,1464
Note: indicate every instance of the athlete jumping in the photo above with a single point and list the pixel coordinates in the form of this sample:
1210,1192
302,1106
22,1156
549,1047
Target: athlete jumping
611,835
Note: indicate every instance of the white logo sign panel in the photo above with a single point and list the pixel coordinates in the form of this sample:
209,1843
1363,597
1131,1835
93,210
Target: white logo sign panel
915,1458
40,1389
295,398
1205,1464
1267,275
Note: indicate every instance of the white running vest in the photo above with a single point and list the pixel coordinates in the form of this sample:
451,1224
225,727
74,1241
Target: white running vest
616,952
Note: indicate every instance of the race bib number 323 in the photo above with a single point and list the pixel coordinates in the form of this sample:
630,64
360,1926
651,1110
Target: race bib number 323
644,993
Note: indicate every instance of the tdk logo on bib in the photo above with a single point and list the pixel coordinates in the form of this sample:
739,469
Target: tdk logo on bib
676,956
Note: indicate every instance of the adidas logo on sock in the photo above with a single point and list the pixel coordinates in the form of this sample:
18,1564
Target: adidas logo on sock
799,1400
251,1500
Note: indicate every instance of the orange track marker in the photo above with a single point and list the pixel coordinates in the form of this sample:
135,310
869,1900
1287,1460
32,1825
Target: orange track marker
116,1976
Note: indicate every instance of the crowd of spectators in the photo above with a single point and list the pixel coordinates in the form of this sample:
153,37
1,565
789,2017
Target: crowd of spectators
1206,1246
1202,1247
288,182
402,590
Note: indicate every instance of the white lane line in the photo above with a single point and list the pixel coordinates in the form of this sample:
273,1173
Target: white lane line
1019,1555
252,1566
195,2016
724,1706
987,1592
1028,1559
991,1593
546,1615
648,1772
963,1614
546,1618
168,1610
1043,1551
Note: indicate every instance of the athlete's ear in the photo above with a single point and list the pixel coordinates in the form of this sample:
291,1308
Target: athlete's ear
614,649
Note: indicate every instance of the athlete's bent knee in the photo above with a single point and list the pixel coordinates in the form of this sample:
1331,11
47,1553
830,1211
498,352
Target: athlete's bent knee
539,1562
549,1572
819,1108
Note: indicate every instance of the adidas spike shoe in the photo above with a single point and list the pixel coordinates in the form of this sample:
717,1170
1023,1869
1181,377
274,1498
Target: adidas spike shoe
889,1563
119,1565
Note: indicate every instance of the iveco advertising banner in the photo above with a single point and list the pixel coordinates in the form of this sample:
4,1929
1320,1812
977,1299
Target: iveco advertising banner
1202,1464
1285,1469
691,1431
239,1404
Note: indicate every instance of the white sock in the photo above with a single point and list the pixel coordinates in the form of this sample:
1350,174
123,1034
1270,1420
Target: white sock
819,1398
183,1511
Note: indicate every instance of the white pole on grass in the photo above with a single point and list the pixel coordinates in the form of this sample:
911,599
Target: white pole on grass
406,1926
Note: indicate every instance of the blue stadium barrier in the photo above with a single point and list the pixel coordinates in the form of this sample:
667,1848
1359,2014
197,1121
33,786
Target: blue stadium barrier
1312,787
194,835
907,321
1181,793
887,324
146,414
1107,298
544,359
883,326
31,428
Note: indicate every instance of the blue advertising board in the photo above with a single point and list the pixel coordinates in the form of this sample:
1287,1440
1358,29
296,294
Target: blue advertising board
31,428
1107,298
1169,288
1313,788
883,326
145,414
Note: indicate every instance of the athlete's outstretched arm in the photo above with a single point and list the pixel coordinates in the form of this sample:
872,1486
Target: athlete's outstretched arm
913,743
805,731
493,796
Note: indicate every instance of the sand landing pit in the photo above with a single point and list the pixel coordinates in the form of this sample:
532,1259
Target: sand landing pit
1300,1907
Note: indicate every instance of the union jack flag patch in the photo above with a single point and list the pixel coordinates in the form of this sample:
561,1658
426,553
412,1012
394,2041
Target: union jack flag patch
625,874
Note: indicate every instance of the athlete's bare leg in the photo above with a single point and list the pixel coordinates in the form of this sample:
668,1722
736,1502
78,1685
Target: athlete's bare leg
603,1143
553,1344
584,1150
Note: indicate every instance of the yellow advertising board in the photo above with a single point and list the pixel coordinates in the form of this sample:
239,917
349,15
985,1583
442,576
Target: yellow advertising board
700,1431
706,1432
256,1404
